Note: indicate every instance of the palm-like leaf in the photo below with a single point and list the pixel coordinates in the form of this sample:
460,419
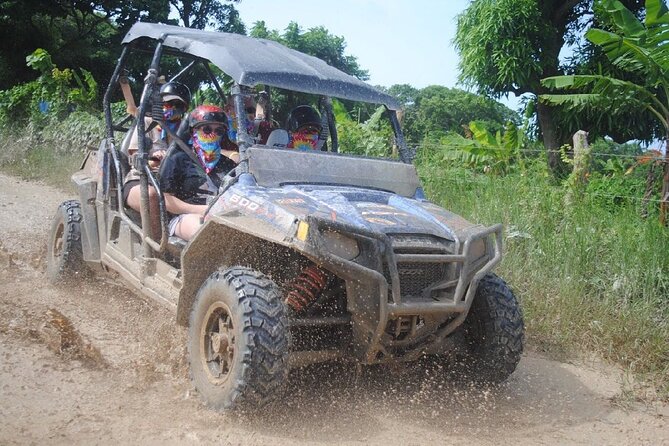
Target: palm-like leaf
604,91
656,13
484,149
637,47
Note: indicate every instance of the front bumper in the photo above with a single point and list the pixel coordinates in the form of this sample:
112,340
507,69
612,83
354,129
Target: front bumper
379,274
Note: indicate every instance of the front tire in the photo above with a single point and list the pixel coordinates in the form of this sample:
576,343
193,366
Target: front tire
237,340
494,332
64,254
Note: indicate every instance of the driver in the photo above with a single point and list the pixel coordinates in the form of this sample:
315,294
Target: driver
187,184
304,126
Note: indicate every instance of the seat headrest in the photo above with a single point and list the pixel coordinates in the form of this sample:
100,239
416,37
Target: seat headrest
278,138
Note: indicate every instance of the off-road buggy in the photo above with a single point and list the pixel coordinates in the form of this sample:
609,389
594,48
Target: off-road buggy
304,256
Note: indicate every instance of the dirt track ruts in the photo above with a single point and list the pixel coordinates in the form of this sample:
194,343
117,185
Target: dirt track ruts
96,363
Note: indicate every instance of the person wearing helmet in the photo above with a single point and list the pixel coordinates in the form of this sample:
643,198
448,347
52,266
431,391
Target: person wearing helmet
186,184
175,99
256,124
304,127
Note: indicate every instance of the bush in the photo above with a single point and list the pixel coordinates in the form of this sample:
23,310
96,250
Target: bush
53,95
592,276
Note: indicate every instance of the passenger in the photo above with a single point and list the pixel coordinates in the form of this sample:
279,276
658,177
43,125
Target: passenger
187,184
304,127
175,97
256,125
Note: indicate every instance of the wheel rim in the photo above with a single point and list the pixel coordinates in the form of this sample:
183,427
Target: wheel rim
217,343
57,246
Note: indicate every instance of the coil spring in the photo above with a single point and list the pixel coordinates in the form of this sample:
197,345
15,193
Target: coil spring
306,288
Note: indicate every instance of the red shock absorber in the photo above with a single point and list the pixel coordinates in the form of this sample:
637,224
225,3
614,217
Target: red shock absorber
306,288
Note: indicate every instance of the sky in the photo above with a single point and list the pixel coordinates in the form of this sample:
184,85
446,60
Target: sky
398,42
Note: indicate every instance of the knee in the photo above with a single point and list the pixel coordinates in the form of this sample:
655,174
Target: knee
188,226
133,198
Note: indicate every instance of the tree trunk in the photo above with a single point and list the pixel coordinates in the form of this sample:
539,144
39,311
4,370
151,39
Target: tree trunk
550,137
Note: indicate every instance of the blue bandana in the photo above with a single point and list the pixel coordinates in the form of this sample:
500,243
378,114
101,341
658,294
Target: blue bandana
172,125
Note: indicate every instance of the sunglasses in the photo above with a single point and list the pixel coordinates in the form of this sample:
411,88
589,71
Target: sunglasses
218,130
309,129
173,104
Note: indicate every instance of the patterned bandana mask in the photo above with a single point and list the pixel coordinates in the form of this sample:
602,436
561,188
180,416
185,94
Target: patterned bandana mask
172,113
303,140
172,117
208,148
232,127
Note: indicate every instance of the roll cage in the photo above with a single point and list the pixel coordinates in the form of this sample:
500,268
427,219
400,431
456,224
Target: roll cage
250,62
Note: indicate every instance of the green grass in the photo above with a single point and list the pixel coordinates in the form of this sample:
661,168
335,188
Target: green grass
50,151
589,277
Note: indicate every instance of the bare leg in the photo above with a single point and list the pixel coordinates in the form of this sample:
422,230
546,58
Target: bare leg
188,226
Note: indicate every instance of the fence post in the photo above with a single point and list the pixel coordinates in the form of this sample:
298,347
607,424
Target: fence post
578,178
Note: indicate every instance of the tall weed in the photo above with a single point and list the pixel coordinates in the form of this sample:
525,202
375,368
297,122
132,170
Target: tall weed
591,275
50,152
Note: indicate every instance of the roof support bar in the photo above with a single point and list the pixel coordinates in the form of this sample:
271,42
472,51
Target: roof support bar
142,156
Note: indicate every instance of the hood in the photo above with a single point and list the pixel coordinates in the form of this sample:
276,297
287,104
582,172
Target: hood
373,210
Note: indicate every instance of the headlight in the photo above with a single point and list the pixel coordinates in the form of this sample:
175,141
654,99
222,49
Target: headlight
341,245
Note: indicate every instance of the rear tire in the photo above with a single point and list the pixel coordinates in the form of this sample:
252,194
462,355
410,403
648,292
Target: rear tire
238,340
494,332
65,259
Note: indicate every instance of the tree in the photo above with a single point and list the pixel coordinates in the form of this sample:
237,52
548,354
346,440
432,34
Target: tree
217,14
88,34
639,48
435,110
260,31
320,43
508,46
316,42
75,33
404,93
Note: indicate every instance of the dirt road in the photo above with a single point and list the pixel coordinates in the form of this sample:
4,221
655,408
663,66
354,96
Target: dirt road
98,364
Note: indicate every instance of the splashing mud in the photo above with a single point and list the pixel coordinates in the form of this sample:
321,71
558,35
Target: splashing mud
62,338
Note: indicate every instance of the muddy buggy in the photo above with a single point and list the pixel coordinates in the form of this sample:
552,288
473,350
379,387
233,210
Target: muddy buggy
304,256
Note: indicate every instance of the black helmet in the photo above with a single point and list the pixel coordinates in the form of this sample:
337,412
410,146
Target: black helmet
301,116
175,90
